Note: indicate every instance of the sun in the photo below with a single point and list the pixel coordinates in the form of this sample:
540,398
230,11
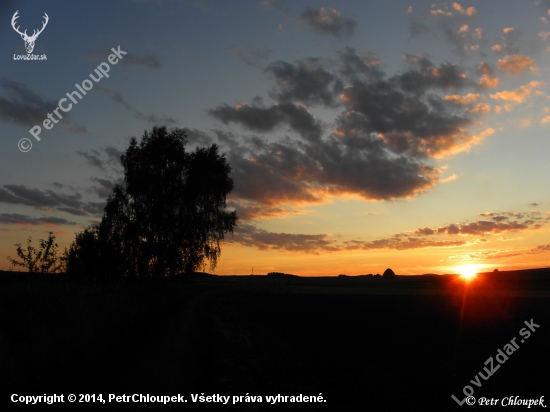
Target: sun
467,272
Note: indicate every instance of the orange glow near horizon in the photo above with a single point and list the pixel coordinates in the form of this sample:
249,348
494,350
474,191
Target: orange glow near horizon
236,259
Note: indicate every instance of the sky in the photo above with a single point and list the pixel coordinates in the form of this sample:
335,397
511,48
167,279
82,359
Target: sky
362,135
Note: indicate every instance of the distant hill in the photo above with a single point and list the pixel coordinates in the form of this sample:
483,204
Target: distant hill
280,275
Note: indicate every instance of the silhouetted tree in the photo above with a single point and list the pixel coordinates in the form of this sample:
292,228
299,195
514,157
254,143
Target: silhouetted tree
168,216
83,257
44,260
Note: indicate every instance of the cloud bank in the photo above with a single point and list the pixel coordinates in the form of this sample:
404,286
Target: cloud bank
379,146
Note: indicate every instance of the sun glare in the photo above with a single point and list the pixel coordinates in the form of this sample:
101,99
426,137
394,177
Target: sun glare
467,272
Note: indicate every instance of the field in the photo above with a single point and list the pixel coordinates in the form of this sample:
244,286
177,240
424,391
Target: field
363,343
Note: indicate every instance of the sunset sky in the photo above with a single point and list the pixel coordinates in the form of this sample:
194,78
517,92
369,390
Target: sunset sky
362,134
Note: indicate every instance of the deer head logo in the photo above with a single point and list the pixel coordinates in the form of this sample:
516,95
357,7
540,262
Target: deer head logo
29,40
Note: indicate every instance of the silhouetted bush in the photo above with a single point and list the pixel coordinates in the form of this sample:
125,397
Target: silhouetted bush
44,260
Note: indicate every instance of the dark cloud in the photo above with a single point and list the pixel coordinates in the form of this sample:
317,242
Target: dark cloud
401,242
417,26
105,158
328,21
253,211
454,21
251,236
253,117
487,78
405,112
200,4
105,188
509,42
198,137
226,138
487,254
498,223
113,154
73,211
23,106
499,217
266,181
151,61
74,128
324,21
484,227
26,108
500,254
289,173
250,55
423,75
424,231
421,127
264,119
358,67
363,167
72,201
93,158
17,219
19,194
152,119
46,200
541,249
248,234
277,5
94,208
307,82
464,38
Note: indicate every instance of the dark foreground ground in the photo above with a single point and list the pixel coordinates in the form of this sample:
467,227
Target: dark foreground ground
364,344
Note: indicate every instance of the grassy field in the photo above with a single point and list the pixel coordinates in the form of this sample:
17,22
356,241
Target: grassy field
364,344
